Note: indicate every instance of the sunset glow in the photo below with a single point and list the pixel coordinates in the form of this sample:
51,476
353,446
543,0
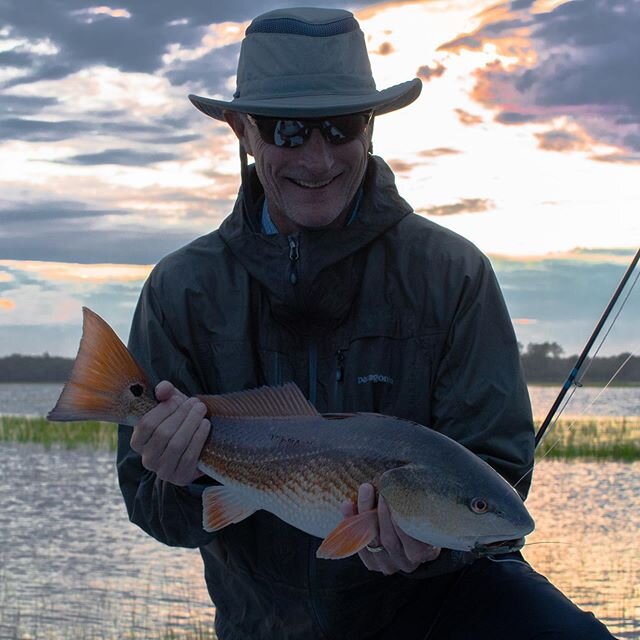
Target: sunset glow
107,167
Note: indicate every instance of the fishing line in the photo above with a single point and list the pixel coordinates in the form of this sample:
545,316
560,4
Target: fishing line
587,408
606,335
587,348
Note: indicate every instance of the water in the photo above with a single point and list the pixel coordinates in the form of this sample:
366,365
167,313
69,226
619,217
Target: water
73,566
38,399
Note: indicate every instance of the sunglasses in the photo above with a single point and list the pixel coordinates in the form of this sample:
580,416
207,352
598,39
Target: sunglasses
289,133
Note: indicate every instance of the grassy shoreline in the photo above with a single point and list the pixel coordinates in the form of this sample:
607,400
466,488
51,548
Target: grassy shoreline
588,438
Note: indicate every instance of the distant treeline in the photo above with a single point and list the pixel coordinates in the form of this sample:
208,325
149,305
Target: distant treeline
542,363
44,368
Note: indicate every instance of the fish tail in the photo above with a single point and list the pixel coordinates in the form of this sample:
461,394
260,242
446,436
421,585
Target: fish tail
106,382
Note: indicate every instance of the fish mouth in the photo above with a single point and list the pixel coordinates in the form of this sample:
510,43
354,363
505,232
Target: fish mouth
498,547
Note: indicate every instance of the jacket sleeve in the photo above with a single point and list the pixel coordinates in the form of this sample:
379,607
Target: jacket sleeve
167,512
480,397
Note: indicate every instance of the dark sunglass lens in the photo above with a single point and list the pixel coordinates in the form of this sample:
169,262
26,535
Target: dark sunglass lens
289,133
341,129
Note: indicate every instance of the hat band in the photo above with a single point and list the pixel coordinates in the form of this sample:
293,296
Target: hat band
304,85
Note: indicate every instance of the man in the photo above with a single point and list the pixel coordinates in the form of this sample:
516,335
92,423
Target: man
323,275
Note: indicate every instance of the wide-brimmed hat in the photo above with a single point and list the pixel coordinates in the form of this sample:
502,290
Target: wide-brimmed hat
307,63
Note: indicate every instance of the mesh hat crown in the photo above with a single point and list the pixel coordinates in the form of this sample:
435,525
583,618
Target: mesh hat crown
307,63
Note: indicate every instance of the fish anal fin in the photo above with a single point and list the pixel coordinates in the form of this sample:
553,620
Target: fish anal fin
286,400
222,506
351,535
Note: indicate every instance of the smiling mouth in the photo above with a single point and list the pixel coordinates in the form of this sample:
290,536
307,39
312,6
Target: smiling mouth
311,185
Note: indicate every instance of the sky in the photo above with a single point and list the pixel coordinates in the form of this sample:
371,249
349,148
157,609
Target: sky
525,139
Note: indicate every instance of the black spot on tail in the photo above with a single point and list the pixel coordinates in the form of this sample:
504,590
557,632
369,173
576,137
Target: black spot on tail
136,389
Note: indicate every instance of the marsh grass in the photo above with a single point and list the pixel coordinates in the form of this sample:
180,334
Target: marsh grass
593,438
70,435
590,438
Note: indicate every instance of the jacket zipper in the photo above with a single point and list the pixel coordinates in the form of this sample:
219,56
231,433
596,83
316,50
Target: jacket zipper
340,365
337,401
294,255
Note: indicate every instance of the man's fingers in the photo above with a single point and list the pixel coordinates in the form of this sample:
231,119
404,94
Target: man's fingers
186,470
348,508
150,421
173,436
366,497
390,540
417,552
164,390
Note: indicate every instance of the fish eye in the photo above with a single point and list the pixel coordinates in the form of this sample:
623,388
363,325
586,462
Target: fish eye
479,505
136,389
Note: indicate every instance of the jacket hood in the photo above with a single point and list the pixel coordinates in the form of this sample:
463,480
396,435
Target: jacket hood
312,277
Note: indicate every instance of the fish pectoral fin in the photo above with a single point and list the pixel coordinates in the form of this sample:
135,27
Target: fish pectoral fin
222,506
351,535
286,400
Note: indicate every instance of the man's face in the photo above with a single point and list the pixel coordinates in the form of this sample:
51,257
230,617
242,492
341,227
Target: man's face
311,185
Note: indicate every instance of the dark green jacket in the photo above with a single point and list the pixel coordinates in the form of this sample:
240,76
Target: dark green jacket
392,314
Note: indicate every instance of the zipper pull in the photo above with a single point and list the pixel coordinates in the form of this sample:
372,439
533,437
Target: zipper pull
340,369
294,255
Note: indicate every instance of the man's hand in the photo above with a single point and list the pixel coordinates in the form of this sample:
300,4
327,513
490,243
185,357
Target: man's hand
401,552
170,437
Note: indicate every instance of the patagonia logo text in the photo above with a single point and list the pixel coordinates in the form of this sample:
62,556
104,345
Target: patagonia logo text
375,377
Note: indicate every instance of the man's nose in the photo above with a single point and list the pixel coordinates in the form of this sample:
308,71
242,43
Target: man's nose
317,154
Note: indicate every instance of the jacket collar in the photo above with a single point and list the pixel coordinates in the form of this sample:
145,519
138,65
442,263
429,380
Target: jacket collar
327,272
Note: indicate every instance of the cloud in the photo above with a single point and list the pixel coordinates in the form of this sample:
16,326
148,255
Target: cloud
562,140
25,105
384,49
427,73
24,215
209,73
512,117
542,292
618,158
121,157
467,118
62,231
132,37
578,60
400,166
6,304
438,151
466,205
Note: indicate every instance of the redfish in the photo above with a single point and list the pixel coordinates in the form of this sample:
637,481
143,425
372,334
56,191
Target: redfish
270,449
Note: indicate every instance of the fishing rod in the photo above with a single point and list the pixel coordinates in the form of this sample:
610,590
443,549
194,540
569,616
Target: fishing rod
585,352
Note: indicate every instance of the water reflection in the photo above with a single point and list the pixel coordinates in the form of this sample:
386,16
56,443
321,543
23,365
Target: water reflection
72,566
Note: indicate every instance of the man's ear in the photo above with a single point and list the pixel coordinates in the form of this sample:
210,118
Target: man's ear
238,122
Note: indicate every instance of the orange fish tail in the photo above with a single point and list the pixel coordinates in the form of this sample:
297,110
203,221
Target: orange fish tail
106,382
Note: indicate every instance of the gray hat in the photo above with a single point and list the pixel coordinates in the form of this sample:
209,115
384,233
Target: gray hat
307,62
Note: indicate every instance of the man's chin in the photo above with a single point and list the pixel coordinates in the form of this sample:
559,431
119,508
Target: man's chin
315,220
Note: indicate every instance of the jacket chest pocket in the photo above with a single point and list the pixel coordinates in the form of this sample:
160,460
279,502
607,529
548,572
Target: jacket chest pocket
391,375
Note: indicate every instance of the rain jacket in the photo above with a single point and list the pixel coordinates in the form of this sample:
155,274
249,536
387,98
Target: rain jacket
391,314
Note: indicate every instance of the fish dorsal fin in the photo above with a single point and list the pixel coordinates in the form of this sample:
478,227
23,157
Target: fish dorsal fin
286,400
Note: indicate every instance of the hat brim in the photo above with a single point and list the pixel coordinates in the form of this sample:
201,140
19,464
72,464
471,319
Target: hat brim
314,106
